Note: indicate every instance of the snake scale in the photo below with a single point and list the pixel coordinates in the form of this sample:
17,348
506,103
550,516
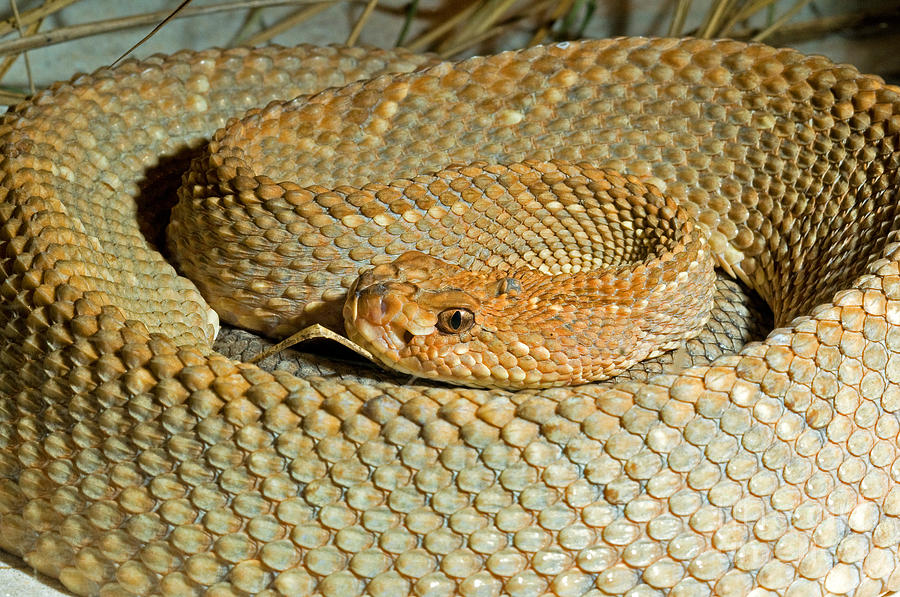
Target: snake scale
136,460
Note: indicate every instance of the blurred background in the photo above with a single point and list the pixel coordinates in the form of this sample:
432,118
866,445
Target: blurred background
46,40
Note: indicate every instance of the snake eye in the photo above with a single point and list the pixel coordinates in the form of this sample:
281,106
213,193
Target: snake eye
455,321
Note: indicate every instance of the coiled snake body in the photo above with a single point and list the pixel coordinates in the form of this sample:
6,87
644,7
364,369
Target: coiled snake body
136,460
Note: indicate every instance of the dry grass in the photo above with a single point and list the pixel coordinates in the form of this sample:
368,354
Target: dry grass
468,26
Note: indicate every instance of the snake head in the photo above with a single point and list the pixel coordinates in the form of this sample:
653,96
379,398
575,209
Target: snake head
420,315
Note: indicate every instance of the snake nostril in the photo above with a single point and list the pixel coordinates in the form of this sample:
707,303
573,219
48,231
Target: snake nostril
407,337
377,289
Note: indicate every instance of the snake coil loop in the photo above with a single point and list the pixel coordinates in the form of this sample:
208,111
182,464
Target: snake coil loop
135,459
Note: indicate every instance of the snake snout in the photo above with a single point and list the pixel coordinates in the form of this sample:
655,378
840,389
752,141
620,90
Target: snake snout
375,305
383,316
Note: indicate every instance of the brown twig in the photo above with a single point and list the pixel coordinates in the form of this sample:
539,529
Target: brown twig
35,15
510,23
8,61
64,34
250,24
483,20
153,32
744,13
10,98
544,29
290,21
21,29
360,23
714,18
676,25
427,38
815,28
780,21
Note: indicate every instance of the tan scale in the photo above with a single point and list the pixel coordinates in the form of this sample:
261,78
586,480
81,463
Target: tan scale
136,460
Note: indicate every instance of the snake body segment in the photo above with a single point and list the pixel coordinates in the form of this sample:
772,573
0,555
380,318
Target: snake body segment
135,460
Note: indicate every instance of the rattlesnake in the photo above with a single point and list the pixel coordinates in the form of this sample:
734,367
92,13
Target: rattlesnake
137,460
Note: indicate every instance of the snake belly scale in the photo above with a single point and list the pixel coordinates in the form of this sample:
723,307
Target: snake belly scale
136,460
